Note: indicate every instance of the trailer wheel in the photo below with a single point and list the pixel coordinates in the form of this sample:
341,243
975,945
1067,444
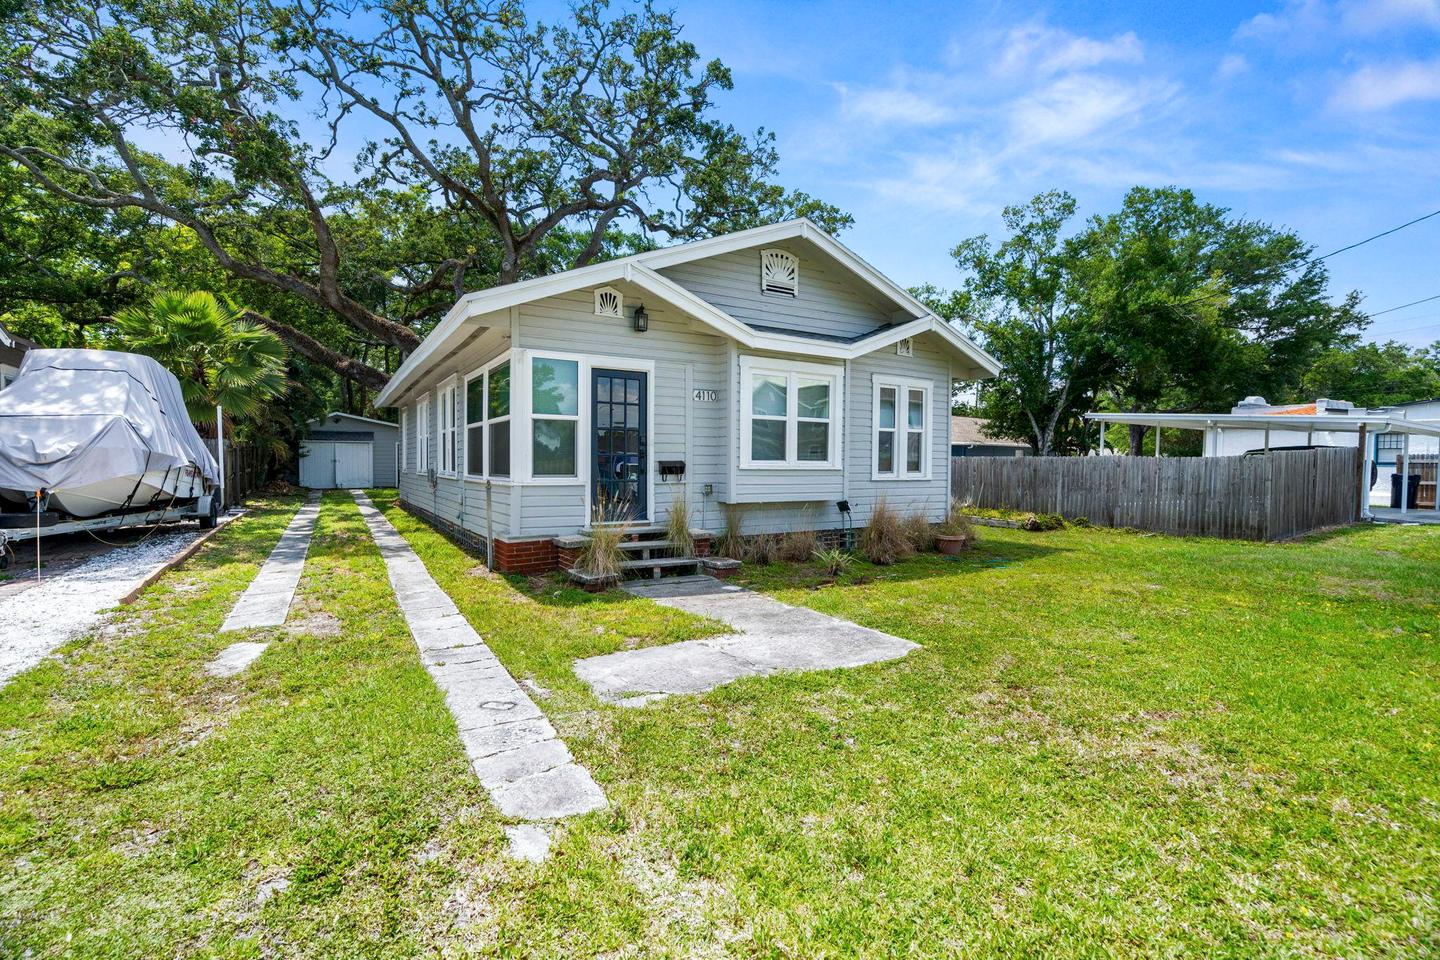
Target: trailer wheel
4,559
208,521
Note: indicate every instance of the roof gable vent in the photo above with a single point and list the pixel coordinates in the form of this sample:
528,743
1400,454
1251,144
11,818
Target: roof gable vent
608,302
779,273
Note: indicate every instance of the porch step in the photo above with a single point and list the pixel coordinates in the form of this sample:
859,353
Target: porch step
657,565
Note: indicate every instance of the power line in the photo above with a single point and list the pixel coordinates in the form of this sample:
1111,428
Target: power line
1361,243
1402,306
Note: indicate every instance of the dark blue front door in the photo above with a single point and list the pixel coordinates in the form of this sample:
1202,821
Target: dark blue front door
618,472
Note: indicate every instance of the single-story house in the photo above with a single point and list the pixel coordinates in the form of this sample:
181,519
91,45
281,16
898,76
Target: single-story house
13,348
1390,447
769,371
968,439
344,451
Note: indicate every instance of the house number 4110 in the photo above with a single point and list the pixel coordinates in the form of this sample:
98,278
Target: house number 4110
707,396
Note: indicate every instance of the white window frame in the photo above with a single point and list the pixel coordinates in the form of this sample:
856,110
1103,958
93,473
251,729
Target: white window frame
902,387
581,419
422,434
482,373
446,423
792,370
404,439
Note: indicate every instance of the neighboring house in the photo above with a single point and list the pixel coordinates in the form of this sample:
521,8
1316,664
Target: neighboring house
1388,448
968,439
1233,441
12,350
344,451
771,369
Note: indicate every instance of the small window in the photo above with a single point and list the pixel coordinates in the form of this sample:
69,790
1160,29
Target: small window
779,273
422,435
448,426
609,302
497,409
1390,441
902,430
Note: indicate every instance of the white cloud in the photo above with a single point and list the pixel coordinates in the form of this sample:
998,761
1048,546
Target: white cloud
1375,88
1043,51
1297,23
1080,105
1306,23
1375,16
894,105
1232,65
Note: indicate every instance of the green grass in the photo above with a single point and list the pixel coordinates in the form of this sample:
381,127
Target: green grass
1109,744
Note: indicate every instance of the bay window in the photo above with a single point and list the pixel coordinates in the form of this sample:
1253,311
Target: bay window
788,415
554,417
901,417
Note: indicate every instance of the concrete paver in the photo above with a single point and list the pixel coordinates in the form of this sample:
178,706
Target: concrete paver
512,748
769,636
266,602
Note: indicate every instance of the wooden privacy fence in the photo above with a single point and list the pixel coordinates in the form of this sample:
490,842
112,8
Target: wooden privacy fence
1279,495
245,469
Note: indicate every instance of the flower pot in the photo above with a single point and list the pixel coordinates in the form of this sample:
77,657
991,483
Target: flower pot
951,545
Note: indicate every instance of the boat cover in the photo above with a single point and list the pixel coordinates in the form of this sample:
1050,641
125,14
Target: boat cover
76,417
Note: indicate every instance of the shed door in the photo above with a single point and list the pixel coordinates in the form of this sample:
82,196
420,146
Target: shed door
317,465
354,465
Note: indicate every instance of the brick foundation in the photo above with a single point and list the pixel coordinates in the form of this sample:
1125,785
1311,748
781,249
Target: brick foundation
529,557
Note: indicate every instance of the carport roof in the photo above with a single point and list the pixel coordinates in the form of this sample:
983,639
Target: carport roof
1338,423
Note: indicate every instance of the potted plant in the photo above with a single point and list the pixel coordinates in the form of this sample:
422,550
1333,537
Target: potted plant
954,533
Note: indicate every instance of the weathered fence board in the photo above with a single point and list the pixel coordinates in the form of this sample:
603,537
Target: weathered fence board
245,470
1277,496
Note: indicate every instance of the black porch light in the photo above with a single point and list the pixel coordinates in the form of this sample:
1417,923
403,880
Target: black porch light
641,320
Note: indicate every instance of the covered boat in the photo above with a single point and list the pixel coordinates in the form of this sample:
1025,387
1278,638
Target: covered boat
99,431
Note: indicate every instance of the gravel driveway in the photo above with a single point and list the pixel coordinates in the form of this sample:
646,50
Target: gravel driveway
35,621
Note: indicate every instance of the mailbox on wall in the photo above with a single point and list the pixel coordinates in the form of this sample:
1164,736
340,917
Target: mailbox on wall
672,469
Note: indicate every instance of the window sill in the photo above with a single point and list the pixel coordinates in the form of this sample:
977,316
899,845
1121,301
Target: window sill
499,481
899,478
555,481
811,467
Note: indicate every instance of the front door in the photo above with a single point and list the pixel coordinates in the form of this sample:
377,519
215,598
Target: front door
618,474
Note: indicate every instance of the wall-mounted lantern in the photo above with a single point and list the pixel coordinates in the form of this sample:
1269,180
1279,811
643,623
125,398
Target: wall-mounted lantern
641,320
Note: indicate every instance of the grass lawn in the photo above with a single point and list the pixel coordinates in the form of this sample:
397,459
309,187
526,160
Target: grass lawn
1109,744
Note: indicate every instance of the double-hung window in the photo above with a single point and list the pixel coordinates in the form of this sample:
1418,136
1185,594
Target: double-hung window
448,426
554,417
422,435
487,420
789,415
901,414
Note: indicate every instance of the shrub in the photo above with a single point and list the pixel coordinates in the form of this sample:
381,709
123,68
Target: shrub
956,524
677,530
835,561
883,540
732,544
602,556
918,532
799,545
763,550
1043,521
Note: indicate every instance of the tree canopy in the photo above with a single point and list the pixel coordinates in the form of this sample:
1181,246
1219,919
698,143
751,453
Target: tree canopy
368,162
1167,303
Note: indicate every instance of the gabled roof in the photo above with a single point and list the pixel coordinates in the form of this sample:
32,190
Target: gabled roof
641,270
353,416
971,430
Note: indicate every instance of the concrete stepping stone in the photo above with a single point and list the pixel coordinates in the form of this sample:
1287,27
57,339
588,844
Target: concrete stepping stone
234,659
769,636
266,602
512,748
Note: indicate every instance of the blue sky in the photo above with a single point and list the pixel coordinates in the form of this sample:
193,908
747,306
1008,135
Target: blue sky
924,119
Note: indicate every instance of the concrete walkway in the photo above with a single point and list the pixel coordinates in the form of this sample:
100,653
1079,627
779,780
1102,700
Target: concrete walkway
266,602
769,636
511,746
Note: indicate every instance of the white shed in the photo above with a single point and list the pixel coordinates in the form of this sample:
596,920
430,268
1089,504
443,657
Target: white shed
345,451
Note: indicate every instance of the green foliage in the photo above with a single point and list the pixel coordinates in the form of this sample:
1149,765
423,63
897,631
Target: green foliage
732,541
834,561
1043,522
677,529
1375,374
1168,303
956,523
218,356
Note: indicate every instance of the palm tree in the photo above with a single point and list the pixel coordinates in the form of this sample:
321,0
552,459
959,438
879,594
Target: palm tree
218,355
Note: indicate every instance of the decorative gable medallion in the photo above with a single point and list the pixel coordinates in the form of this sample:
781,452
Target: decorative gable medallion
905,348
609,303
779,273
